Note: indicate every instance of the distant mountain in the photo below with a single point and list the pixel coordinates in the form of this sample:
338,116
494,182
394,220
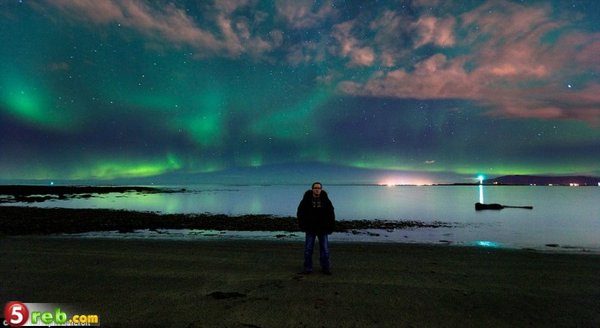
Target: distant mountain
544,180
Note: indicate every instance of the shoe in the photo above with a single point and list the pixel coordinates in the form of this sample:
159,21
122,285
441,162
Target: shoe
327,272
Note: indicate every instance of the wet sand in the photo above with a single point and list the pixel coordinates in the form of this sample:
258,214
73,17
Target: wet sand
238,283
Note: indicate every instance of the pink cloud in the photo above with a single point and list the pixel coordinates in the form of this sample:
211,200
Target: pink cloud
97,11
435,31
389,28
299,13
511,71
587,48
362,56
435,78
229,6
171,24
351,47
497,55
555,102
506,19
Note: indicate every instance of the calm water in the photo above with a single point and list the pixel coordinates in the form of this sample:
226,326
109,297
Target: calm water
565,216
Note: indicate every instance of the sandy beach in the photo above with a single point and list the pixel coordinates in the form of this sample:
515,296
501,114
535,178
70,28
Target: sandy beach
237,283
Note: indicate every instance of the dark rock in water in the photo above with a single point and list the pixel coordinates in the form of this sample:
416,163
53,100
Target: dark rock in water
480,206
493,206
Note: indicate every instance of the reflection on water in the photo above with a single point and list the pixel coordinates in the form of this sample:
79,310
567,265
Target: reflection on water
487,244
562,215
481,194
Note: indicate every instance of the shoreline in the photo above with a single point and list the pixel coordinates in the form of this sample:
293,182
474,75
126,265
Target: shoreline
42,193
354,237
24,220
127,224
218,283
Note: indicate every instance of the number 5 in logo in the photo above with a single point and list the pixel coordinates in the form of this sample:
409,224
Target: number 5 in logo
16,313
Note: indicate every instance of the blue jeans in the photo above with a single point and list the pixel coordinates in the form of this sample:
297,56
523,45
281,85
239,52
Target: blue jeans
309,245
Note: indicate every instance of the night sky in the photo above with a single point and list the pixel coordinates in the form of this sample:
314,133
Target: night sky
418,91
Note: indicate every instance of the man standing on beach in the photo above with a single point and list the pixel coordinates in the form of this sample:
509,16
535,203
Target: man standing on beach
316,217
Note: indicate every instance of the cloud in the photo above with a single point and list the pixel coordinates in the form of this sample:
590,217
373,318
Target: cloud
362,56
512,59
299,14
229,6
434,78
173,25
436,31
507,62
97,11
351,47
391,30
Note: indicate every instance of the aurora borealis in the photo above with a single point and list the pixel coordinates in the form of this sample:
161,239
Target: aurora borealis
409,91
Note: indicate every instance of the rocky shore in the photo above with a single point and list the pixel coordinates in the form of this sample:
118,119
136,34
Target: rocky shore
40,221
39,193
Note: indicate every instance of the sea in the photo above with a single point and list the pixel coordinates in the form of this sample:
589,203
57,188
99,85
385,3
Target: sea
563,218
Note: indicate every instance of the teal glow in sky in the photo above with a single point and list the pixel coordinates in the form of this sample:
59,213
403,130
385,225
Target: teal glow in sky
392,92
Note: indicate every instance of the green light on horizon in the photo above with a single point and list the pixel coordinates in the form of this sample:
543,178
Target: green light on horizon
114,169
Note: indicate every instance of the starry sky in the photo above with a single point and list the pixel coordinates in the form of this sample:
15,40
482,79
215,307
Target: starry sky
421,91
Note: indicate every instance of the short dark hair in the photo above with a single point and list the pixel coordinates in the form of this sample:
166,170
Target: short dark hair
315,183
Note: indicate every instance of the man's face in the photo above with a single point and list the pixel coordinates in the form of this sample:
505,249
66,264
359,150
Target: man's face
316,189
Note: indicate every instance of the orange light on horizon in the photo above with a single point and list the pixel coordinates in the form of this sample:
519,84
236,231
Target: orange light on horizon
404,181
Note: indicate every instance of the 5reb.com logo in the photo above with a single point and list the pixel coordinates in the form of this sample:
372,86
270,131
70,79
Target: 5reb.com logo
17,314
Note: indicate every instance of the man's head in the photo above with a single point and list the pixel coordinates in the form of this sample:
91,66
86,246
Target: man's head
316,189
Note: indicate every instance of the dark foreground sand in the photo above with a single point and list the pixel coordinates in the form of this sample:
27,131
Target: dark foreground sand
254,284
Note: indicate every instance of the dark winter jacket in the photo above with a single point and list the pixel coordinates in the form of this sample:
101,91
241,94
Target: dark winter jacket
319,220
